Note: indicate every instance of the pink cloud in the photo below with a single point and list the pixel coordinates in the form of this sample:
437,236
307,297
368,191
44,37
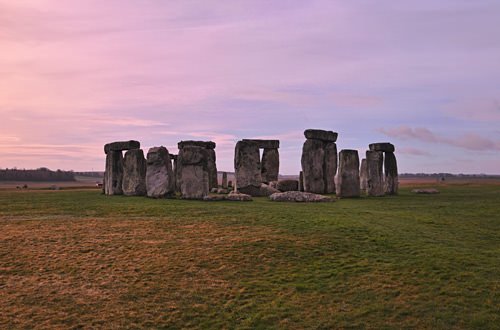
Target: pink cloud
469,141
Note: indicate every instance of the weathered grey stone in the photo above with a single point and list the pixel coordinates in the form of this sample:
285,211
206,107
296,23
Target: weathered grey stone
263,190
192,172
425,191
270,165
391,174
213,198
230,184
134,173
348,178
330,167
113,176
222,191
298,196
273,184
375,179
173,157
213,190
247,167
174,169
288,185
382,146
121,145
239,197
363,174
191,143
212,169
265,144
301,181
319,134
224,180
312,161
160,180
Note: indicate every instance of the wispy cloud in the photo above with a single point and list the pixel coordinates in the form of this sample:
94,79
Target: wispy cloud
469,140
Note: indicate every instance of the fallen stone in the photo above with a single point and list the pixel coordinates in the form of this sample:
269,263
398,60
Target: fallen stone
213,198
160,180
113,176
270,165
265,144
222,191
298,196
375,178
134,173
273,184
382,146
263,190
239,197
348,178
213,190
312,161
191,143
288,185
318,134
121,145
425,191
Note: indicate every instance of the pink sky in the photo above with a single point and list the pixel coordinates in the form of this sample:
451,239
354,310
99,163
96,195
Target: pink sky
78,74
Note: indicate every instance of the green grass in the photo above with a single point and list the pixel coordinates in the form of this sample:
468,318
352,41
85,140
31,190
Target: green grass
71,259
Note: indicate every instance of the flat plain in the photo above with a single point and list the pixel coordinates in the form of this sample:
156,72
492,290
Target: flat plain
79,259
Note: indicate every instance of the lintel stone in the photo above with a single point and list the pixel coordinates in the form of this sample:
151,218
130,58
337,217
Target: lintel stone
203,144
382,146
121,145
319,134
265,144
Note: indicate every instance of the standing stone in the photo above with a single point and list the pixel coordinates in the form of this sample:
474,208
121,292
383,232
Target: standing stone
134,173
391,174
247,169
270,165
301,181
212,169
330,167
348,178
375,180
193,172
113,175
230,184
363,175
224,180
160,180
313,158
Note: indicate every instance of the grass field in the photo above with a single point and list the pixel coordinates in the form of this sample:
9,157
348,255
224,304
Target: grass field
79,259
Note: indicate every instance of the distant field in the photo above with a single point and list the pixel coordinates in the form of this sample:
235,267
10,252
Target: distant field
79,259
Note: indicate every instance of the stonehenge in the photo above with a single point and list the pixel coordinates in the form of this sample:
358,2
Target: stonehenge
319,161
192,173
251,174
160,178
374,176
390,166
348,178
134,173
195,166
113,174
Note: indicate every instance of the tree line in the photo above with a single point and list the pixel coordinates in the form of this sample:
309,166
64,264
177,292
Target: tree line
39,174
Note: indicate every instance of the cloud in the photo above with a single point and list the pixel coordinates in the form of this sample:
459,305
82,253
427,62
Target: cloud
469,140
413,151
